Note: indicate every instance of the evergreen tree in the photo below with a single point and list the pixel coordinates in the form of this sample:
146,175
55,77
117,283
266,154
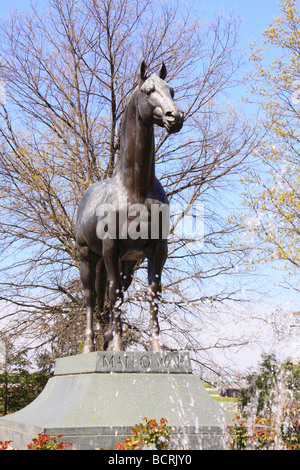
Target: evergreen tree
272,383
18,386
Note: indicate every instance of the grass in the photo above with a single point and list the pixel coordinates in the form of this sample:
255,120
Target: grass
230,403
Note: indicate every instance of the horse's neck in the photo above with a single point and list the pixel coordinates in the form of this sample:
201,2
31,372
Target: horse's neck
136,165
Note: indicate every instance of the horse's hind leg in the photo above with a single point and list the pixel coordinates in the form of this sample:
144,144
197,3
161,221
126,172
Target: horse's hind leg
87,275
101,286
101,282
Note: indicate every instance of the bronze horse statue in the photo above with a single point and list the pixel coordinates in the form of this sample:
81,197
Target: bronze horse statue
111,260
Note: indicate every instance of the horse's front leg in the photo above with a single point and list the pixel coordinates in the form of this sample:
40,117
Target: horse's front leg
115,293
87,276
155,267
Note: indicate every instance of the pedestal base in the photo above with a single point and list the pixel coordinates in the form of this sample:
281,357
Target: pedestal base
95,399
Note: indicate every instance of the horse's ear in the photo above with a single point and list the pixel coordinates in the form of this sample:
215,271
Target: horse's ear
143,71
163,71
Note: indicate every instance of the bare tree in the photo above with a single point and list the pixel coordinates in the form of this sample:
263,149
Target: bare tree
68,73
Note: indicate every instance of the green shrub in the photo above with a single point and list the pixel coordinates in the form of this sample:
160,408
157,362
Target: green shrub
45,442
150,435
42,442
280,432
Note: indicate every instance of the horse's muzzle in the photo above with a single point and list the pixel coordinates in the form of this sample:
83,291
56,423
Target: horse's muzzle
173,121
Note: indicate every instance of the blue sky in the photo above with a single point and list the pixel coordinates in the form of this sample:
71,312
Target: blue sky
256,14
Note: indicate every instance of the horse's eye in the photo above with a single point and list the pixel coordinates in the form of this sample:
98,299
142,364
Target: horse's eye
149,90
172,92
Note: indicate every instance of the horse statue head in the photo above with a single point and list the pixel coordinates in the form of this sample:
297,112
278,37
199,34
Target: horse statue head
156,102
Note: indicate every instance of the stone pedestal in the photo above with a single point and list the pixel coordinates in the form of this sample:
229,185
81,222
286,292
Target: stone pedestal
95,399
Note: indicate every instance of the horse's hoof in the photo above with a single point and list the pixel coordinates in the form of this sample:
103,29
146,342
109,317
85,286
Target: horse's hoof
88,347
116,344
156,344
